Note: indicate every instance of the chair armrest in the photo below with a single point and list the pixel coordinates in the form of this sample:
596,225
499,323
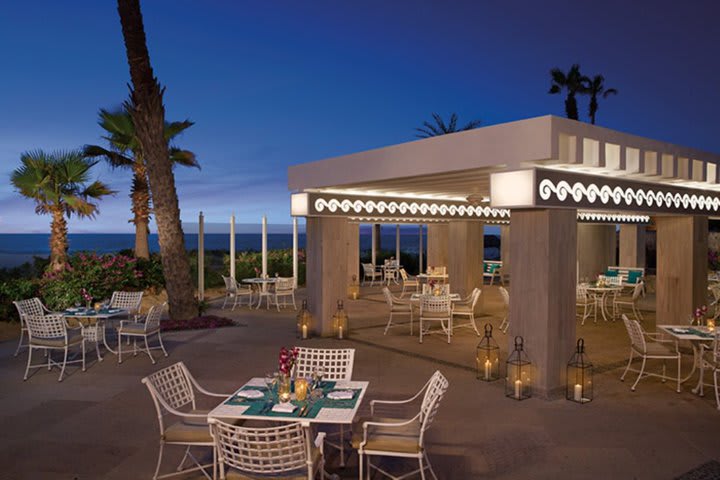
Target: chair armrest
370,424
392,402
320,441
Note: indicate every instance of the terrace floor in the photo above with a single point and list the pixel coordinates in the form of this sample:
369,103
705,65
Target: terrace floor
102,424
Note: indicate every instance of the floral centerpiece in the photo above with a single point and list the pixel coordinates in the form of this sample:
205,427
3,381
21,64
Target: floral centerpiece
286,362
699,314
87,297
257,272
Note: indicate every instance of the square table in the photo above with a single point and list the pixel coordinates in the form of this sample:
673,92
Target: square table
695,335
98,316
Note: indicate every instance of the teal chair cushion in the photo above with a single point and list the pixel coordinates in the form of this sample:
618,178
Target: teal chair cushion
634,277
611,273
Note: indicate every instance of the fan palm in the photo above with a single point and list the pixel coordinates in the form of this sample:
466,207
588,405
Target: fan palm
441,128
596,87
59,184
148,115
125,152
574,83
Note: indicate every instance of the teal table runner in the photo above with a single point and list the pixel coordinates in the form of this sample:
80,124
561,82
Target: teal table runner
260,406
90,312
699,333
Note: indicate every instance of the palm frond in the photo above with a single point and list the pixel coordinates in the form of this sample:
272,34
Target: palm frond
186,158
115,159
173,129
471,125
610,91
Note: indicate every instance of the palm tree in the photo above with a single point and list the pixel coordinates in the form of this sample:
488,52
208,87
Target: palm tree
596,87
58,182
148,115
572,81
125,152
440,128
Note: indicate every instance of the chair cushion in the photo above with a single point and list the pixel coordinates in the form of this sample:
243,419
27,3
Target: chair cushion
136,328
633,276
657,349
186,433
435,315
389,439
232,474
611,273
464,309
74,338
203,421
402,308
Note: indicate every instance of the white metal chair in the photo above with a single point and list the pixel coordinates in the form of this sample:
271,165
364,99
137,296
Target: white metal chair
144,329
369,272
284,287
31,306
466,308
620,301
444,289
390,271
649,346
584,300
50,332
397,307
280,452
400,437
408,282
173,392
337,364
710,360
505,324
129,301
436,308
236,292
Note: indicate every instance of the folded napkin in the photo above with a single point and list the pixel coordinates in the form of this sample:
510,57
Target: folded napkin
250,393
341,395
283,408
679,330
113,310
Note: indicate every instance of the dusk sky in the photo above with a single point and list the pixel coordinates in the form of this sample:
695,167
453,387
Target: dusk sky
274,83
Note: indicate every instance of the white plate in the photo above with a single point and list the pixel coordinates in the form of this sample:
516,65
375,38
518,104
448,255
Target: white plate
283,408
250,393
341,395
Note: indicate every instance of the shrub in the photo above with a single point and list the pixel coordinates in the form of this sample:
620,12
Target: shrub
249,264
15,289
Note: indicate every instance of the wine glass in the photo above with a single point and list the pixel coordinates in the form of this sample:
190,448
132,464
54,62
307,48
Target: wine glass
320,375
270,382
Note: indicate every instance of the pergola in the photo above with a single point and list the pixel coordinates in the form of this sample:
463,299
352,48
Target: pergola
558,187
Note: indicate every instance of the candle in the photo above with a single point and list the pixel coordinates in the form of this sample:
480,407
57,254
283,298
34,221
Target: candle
355,295
578,393
340,334
301,389
304,332
488,366
518,388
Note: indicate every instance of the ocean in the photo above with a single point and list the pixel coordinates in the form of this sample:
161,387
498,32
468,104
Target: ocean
17,248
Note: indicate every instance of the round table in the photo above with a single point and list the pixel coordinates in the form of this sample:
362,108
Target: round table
262,284
600,294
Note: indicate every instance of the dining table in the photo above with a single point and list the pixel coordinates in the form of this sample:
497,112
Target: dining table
261,283
600,295
98,318
318,408
696,335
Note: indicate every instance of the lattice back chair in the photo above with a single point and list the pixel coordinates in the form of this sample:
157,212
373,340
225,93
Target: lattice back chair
369,272
397,307
408,282
236,292
129,301
505,324
285,451
584,300
399,437
30,306
466,308
436,308
649,346
438,271
631,301
143,330
173,392
284,287
50,332
337,362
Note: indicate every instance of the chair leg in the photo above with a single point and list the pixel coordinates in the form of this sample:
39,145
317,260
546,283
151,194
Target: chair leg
642,370
62,370
83,354
402,294
159,461
622,378
388,324
678,375
147,350
22,331
27,369
119,347
421,329
422,468
293,299
224,302
429,465
411,320
717,390
162,346
361,464
474,325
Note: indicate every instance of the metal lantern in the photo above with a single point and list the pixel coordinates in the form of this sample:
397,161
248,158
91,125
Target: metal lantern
304,322
340,322
353,290
517,379
579,387
487,357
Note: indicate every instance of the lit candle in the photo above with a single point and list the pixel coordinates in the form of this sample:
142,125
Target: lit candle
304,332
301,389
340,334
488,366
355,295
578,393
518,388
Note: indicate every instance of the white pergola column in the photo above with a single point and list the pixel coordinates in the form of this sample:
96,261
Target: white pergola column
295,251
232,246
596,246
201,257
437,244
264,246
681,284
327,269
542,297
465,256
632,245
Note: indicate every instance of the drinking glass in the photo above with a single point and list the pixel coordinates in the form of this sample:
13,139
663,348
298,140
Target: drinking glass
270,382
320,375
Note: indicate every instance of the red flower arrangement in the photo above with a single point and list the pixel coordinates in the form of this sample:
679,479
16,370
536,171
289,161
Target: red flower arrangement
287,359
700,313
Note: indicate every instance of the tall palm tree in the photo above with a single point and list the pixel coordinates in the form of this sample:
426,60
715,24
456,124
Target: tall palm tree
440,128
148,115
596,87
125,152
58,182
574,83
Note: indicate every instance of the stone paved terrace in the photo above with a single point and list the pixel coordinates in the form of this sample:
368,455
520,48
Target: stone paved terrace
102,424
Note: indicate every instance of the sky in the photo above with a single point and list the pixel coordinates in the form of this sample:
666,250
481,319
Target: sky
276,83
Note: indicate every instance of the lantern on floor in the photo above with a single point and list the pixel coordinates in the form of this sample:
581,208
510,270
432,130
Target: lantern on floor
304,322
517,379
579,387
487,357
340,322
353,290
